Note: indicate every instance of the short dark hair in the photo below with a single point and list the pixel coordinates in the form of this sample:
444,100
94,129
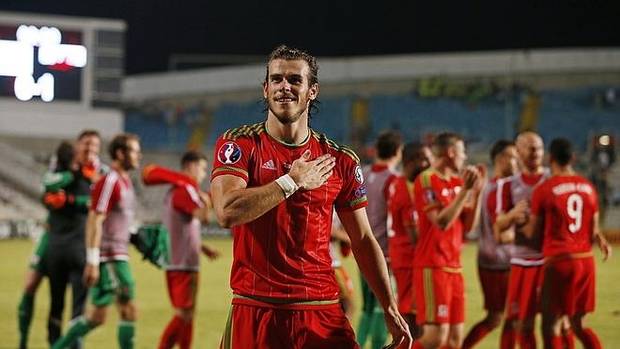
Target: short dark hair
387,144
444,140
291,54
121,142
499,147
411,151
192,156
561,151
88,133
64,156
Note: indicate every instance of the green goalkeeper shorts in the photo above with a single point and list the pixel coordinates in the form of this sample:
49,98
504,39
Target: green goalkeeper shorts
115,281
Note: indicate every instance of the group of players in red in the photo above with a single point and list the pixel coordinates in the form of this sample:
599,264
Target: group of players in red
277,183
537,227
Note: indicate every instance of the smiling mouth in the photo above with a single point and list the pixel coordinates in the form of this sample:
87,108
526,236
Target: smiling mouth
285,100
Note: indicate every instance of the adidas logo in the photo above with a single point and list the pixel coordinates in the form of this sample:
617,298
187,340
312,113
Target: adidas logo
269,165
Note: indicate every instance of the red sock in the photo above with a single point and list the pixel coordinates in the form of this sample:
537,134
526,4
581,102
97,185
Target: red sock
509,337
475,335
590,339
171,333
569,340
527,340
185,338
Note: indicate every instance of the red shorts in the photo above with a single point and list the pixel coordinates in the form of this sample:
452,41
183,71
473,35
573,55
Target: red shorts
494,285
439,296
523,301
569,287
255,324
182,288
404,289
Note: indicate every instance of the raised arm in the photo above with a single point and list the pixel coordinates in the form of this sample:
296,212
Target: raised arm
445,216
236,204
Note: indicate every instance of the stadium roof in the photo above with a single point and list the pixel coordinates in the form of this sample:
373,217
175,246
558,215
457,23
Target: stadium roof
157,29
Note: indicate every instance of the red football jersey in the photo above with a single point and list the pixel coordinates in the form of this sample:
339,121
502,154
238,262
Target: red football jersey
400,219
436,247
284,254
567,205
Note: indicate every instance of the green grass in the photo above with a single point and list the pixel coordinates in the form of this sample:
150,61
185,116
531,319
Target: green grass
154,310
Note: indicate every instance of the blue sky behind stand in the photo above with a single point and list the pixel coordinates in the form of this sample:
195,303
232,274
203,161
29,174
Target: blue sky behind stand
159,28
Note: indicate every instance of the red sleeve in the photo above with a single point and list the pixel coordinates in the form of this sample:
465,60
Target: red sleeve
394,199
538,198
186,199
232,157
493,197
106,194
386,189
353,193
504,196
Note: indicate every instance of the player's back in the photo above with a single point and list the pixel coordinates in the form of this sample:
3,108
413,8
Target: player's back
567,204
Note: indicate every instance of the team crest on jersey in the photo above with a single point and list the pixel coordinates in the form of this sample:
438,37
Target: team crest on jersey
358,174
229,153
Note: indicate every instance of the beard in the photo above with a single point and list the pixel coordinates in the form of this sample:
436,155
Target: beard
127,164
287,114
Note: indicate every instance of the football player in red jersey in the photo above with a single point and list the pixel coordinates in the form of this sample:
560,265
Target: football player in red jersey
565,212
402,232
447,203
276,184
186,207
494,249
527,259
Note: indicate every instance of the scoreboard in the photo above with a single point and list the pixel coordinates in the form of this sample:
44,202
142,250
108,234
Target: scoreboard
47,59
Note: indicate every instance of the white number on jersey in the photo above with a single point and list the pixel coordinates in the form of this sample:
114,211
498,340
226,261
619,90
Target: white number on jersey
574,208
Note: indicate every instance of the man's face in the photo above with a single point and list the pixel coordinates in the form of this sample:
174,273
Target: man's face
422,160
508,161
88,148
458,156
197,170
287,89
132,156
531,151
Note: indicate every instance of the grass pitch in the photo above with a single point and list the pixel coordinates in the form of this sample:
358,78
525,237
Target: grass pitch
154,310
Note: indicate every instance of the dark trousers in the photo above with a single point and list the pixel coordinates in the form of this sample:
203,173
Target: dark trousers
65,267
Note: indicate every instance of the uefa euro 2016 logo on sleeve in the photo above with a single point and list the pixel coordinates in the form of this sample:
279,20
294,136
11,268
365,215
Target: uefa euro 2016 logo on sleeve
229,153
358,174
